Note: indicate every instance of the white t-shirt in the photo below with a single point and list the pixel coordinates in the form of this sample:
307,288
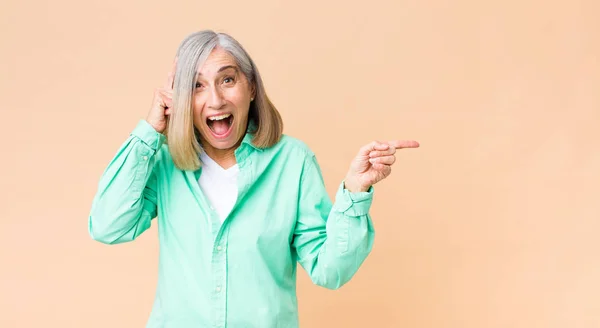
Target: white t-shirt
219,185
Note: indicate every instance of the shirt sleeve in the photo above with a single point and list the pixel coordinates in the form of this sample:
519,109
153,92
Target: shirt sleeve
125,201
331,240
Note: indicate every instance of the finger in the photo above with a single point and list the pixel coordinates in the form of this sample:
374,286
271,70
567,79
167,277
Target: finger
387,160
399,144
166,93
168,103
164,102
375,145
385,169
166,96
171,76
159,99
379,153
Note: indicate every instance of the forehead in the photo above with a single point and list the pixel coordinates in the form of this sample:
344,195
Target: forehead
218,58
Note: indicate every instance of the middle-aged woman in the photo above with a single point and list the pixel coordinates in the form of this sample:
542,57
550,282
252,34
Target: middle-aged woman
237,202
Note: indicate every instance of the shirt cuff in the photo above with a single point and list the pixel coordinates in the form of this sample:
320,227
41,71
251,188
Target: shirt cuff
148,135
353,204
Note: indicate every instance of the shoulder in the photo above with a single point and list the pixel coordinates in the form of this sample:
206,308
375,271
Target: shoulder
296,154
294,146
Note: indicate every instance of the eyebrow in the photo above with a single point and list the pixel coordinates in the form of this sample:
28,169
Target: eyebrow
223,68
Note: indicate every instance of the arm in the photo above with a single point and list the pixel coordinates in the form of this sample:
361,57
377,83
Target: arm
332,241
125,202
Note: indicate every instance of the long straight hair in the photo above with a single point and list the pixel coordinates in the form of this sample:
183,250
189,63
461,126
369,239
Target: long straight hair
183,138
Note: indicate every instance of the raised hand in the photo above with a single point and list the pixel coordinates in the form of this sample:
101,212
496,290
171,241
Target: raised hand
162,102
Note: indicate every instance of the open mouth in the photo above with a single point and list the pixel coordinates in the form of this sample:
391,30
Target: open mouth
220,125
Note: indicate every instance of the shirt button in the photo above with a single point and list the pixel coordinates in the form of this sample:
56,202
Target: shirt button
218,289
219,248
145,158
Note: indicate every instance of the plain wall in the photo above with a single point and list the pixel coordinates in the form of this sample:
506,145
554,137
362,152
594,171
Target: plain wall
492,223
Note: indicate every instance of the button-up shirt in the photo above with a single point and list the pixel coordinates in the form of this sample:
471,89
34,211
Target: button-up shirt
240,272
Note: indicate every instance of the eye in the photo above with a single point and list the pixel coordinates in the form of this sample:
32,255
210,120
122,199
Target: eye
198,85
228,79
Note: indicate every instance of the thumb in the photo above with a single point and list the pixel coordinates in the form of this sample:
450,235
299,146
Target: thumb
375,145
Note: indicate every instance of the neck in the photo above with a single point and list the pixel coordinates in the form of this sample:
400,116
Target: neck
224,157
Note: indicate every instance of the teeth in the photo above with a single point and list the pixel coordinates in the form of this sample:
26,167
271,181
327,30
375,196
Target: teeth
219,117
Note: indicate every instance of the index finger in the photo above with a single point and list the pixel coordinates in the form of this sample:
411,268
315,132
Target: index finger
399,144
171,76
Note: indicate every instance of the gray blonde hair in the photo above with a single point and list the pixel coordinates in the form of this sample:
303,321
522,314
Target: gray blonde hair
182,137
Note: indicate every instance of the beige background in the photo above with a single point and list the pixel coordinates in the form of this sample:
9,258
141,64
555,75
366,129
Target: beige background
493,222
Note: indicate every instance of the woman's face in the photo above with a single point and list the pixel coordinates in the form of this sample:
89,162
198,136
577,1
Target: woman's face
221,101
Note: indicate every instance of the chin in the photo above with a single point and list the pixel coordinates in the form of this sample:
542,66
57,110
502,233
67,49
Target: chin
222,145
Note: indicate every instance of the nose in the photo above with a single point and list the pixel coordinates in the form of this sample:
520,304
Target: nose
215,99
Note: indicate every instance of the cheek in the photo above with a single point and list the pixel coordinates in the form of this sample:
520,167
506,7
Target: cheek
197,104
239,99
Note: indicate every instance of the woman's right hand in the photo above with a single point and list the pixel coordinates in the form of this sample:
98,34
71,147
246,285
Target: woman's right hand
162,103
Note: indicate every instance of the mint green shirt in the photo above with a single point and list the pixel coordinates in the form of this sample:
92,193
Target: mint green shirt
242,272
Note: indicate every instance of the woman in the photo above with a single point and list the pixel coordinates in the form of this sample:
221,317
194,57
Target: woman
237,201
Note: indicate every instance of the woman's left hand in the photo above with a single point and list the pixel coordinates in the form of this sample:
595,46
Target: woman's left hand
373,164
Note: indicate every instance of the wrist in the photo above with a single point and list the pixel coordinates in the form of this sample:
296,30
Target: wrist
157,127
354,187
